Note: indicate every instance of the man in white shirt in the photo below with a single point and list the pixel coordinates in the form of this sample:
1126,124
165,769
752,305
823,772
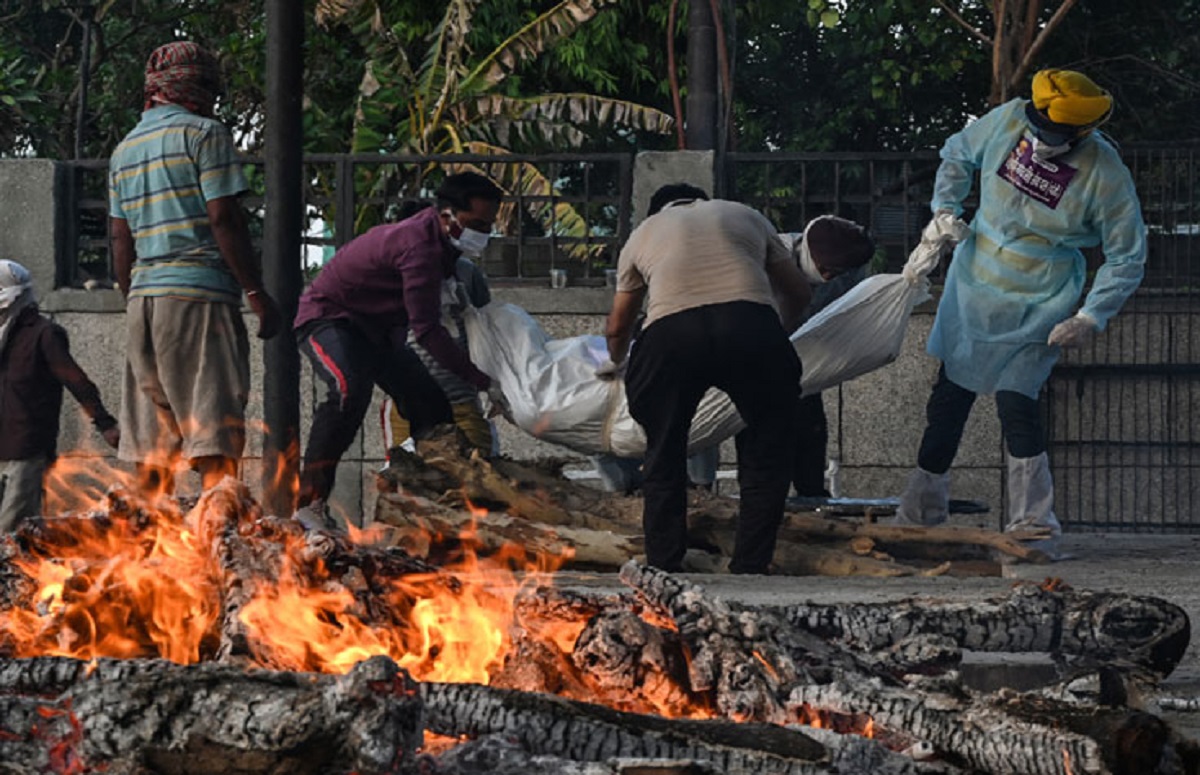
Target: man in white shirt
710,272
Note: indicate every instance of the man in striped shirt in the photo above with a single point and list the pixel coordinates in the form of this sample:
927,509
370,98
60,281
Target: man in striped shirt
182,255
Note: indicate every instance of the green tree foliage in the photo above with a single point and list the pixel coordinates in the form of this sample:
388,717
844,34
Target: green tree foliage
40,46
1147,54
809,74
451,97
877,76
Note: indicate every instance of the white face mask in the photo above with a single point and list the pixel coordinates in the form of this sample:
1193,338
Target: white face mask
1045,152
808,266
471,242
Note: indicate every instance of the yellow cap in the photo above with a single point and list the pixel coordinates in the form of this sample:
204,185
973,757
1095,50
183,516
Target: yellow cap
1068,97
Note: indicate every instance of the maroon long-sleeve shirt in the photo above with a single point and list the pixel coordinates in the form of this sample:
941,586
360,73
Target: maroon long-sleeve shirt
35,366
389,281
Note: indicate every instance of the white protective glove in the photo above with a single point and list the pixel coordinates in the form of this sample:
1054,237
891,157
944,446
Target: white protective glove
494,403
1073,331
609,371
945,228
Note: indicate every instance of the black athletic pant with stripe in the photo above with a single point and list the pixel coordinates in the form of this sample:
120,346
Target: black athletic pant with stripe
351,364
742,349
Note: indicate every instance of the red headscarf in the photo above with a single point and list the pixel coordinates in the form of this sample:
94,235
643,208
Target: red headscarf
182,73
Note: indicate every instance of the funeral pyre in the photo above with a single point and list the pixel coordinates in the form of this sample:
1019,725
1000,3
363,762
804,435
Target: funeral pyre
145,637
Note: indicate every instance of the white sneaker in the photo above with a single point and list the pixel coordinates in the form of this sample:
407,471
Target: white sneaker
315,516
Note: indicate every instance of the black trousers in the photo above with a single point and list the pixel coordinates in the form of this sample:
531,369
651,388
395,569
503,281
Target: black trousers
946,415
811,439
742,349
351,364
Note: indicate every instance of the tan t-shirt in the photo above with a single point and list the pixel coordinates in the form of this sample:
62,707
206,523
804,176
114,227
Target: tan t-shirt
700,253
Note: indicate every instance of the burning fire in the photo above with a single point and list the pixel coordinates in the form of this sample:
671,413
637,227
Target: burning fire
145,584
140,579
842,723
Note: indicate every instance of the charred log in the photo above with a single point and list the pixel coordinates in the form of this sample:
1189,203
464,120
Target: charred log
1101,626
978,736
124,715
584,732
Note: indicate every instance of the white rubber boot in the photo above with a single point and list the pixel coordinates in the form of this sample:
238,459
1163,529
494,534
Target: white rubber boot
925,500
1031,500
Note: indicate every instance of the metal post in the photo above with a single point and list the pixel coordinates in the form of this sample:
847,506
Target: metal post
701,106
85,75
281,251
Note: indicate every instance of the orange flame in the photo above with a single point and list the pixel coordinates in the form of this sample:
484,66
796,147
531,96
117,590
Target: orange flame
145,585
842,723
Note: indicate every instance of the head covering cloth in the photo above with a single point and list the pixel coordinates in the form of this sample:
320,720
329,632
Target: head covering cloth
1069,98
838,245
182,73
16,293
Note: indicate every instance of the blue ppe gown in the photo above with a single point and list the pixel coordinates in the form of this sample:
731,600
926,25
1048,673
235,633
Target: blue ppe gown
1021,271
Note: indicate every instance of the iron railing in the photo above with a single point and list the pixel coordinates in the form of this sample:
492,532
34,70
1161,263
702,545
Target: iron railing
576,221
1123,413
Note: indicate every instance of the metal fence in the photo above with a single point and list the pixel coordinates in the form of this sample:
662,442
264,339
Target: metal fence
567,211
1124,412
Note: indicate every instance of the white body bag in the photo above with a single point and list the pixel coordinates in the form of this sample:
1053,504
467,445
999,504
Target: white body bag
555,395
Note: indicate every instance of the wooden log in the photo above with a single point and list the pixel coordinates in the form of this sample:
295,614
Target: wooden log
635,666
807,559
980,737
746,659
127,716
1101,626
478,481
584,732
527,492
217,518
1007,543
423,529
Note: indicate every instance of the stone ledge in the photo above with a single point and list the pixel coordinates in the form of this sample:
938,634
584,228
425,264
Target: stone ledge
561,301
79,300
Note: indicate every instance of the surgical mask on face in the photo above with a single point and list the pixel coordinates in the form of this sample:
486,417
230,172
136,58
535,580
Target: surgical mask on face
808,266
471,242
1043,151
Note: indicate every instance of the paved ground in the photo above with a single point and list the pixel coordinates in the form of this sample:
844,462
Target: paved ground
1162,566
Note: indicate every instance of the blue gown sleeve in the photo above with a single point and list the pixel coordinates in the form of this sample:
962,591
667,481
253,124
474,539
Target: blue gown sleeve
1118,218
962,156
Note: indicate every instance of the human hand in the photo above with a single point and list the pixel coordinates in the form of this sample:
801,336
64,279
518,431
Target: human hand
112,436
270,319
495,403
945,227
1073,331
609,371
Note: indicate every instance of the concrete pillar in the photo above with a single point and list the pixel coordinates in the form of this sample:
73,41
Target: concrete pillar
653,169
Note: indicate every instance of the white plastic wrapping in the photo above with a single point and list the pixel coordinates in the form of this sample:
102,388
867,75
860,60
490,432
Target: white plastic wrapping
555,395
858,333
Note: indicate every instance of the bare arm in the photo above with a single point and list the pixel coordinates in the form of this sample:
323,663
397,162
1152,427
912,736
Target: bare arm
123,252
229,228
621,319
791,290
